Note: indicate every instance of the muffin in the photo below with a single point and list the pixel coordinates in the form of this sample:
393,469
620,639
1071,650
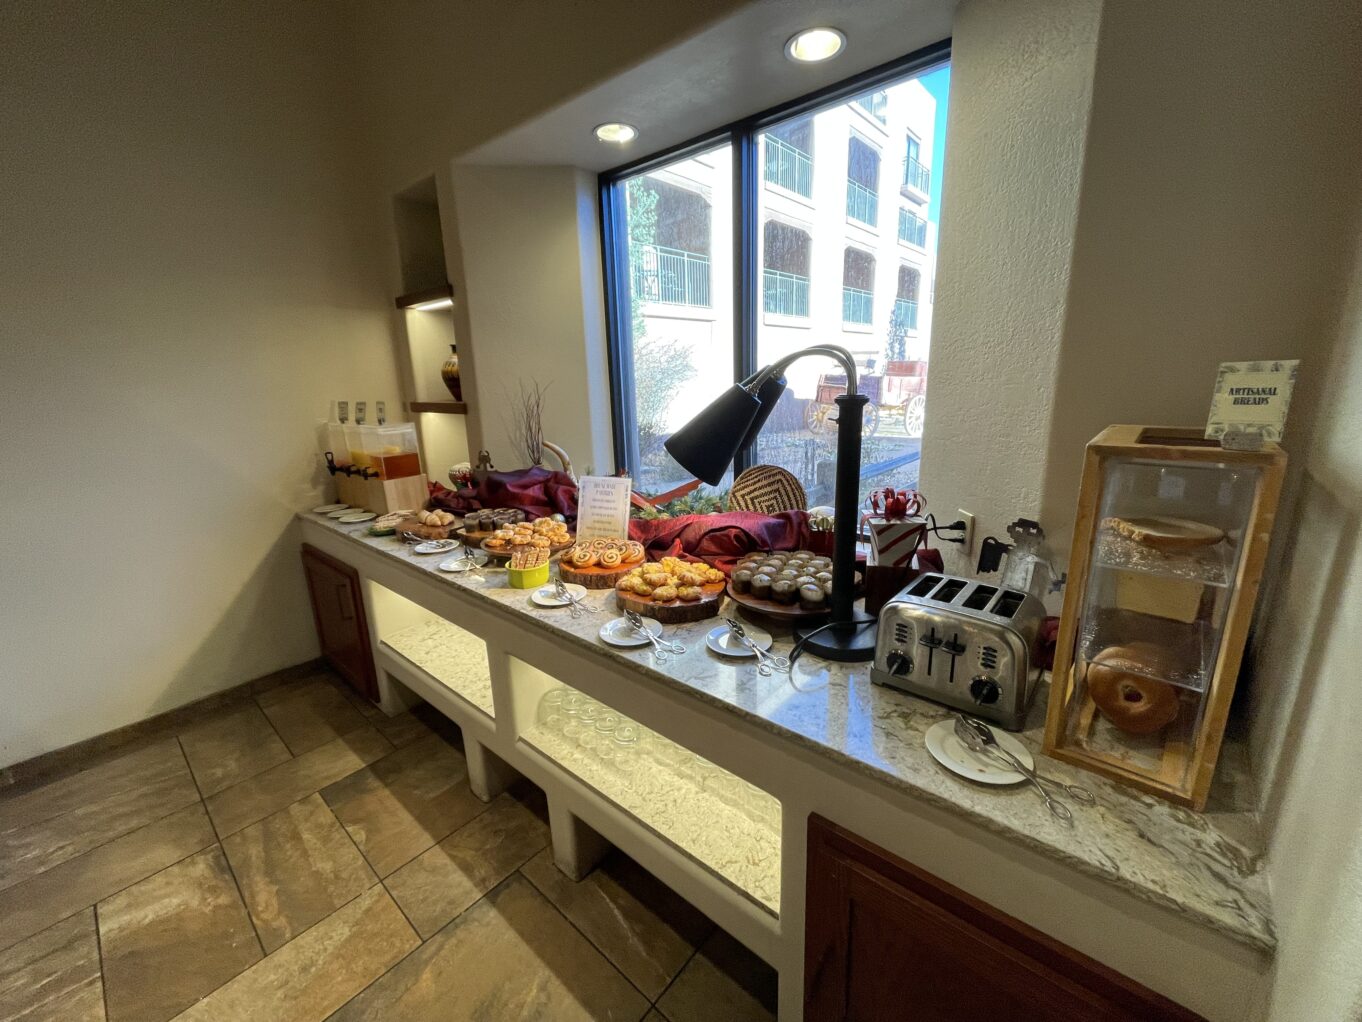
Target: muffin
805,580
806,554
784,591
742,581
761,586
812,597
823,577
827,587
787,573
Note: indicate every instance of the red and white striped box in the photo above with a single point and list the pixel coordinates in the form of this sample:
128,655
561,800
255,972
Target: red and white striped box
893,541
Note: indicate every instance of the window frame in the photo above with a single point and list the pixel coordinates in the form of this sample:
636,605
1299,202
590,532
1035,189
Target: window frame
748,181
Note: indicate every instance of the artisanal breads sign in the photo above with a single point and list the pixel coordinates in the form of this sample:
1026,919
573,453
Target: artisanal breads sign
1250,402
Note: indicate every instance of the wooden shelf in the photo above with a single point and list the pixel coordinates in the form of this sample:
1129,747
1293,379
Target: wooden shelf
444,407
441,297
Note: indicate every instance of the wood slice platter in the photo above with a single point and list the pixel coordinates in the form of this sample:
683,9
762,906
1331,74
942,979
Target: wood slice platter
789,612
674,612
504,553
594,577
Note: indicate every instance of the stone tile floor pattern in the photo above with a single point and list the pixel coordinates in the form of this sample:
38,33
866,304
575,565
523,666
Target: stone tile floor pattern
299,856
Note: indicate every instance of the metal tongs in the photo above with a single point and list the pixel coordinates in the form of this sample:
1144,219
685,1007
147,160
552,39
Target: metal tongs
660,648
766,662
978,737
575,606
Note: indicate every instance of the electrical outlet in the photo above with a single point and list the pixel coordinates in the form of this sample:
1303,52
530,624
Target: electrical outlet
968,546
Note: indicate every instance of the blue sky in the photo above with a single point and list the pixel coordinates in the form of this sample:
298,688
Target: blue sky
938,84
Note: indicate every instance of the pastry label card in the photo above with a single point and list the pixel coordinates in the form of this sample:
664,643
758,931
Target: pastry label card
603,507
1250,402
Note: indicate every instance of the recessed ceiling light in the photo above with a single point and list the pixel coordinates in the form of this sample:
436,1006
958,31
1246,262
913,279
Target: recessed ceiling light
815,44
616,132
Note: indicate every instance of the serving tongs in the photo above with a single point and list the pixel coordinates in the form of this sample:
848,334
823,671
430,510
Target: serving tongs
575,605
660,648
979,737
766,662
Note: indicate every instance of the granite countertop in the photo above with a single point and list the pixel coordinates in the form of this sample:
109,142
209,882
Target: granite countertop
1207,866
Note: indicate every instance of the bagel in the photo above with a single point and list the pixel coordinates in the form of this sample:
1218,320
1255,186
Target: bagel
1133,702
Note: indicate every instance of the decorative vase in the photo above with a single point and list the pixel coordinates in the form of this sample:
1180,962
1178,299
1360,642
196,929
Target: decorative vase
449,372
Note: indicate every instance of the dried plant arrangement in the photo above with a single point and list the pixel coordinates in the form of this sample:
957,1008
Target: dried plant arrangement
524,420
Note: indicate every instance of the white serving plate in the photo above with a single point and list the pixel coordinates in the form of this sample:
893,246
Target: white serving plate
959,759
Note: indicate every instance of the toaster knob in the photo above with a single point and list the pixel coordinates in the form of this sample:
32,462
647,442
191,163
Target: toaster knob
899,663
985,690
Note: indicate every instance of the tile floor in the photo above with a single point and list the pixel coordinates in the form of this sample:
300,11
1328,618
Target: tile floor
300,856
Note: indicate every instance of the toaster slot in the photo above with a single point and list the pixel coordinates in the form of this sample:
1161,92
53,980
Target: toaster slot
1008,603
950,590
924,585
979,597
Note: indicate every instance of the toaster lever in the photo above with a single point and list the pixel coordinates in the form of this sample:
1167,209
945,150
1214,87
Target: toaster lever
954,647
933,643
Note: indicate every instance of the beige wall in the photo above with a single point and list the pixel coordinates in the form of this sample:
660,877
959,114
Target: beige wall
1021,83
529,254
185,288
1306,711
1209,228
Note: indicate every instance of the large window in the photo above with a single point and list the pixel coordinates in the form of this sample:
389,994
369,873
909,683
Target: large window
703,291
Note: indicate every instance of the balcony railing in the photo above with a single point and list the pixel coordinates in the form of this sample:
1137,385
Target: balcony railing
671,276
862,203
912,229
788,167
875,104
905,313
917,175
856,305
785,294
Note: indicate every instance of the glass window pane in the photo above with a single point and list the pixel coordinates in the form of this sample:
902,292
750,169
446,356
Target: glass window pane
848,219
679,337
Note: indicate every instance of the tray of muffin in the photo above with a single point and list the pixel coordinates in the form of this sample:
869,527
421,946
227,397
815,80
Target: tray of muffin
783,584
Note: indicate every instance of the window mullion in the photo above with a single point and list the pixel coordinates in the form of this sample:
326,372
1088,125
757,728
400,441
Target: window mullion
745,249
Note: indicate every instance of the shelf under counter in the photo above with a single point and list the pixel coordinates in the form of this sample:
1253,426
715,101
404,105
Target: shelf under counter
730,843
449,657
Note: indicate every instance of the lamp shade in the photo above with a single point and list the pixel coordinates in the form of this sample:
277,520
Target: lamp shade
768,395
707,445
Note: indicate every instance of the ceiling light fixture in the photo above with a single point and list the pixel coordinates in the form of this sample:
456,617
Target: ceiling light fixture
815,44
616,132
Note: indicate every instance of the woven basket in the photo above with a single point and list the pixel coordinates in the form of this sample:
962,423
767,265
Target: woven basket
767,490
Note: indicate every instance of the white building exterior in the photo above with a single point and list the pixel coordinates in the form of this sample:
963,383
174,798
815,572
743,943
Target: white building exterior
843,238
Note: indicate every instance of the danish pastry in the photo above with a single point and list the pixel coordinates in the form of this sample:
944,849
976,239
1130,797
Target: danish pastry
611,557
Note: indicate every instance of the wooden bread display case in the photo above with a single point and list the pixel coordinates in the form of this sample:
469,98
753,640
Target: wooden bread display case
1169,546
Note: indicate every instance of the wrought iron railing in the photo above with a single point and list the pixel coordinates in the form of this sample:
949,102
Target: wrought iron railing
862,203
856,305
788,166
905,312
785,294
671,276
912,228
917,175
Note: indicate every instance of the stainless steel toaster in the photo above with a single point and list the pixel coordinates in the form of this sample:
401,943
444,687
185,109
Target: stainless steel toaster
967,644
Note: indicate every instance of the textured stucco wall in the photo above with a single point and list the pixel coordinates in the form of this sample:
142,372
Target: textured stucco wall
1305,707
1021,83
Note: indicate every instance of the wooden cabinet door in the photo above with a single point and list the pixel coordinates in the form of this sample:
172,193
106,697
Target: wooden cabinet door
338,610
887,942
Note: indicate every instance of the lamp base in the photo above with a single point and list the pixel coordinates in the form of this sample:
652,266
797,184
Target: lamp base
846,642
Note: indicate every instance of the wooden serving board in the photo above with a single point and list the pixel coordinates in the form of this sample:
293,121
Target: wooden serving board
594,577
504,554
789,612
677,611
